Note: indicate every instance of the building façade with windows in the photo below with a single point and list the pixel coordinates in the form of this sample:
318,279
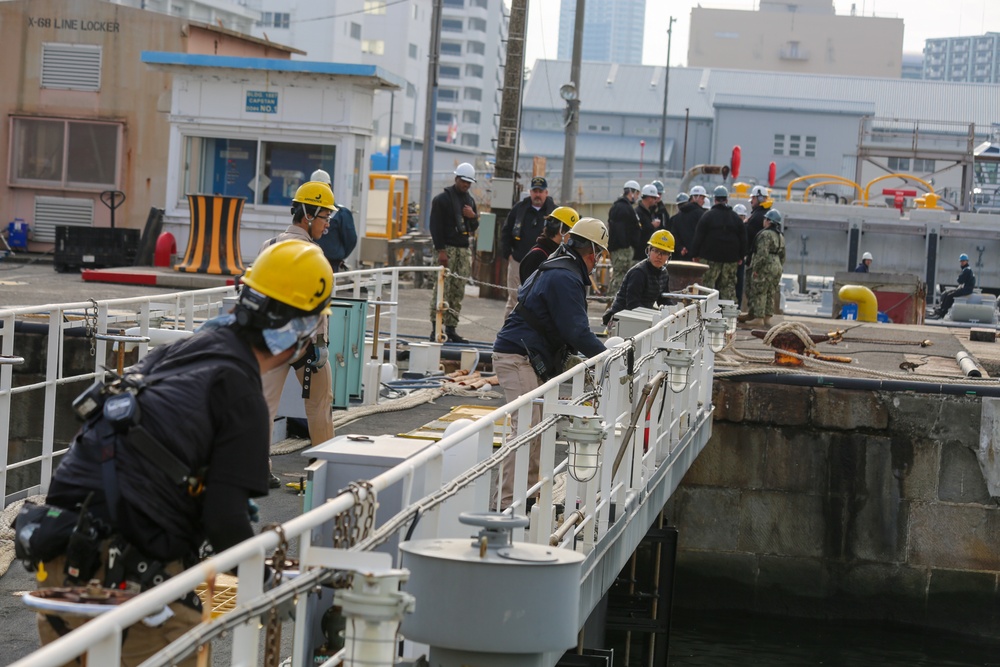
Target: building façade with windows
84,114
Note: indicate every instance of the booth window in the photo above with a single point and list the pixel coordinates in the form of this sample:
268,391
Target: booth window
266,173
65,153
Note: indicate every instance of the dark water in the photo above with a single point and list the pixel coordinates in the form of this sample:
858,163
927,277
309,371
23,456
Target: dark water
719,640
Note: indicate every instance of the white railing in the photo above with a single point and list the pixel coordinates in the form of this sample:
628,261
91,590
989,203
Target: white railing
141,316
609,386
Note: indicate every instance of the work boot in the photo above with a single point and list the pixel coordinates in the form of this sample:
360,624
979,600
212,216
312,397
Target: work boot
274,482
743,317
453,336
767,321
755,322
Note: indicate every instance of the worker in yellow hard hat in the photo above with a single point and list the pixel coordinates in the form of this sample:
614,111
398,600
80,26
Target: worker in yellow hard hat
171,455
646,282
557,226
312,207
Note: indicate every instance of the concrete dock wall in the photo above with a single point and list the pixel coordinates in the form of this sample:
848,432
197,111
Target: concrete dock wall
841,504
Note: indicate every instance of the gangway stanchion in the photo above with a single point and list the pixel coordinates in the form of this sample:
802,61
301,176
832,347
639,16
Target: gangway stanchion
122,338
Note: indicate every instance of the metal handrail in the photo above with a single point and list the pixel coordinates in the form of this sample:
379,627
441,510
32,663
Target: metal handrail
100,638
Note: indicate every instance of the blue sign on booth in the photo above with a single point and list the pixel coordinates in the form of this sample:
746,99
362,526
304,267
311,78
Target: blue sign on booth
259,101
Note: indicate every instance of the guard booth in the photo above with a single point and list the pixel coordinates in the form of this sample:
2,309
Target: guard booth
256,129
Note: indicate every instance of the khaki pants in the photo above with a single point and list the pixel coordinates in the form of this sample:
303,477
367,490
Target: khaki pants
518,378
319,405
513,282
141,642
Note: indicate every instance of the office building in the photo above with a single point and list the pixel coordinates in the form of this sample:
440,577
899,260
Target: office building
612,30
971,59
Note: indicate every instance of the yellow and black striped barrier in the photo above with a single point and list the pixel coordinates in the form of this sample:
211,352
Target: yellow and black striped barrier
214,242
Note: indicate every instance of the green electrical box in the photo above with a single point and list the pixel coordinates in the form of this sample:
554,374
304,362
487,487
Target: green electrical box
487,231
347,348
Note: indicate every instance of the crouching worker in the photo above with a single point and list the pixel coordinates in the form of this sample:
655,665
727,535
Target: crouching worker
549,321
169,456
646,282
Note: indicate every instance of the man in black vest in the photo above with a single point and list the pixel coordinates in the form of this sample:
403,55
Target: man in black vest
525,223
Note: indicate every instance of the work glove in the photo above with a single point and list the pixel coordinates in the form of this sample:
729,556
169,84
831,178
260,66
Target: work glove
320,355
606,317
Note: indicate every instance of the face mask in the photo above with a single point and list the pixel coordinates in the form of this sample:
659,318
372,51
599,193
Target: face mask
297,332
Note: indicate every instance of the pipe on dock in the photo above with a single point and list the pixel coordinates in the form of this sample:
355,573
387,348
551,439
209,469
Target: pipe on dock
864,297
872,384
969,365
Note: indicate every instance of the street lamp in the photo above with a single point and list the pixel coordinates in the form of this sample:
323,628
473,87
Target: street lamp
571,118
642,153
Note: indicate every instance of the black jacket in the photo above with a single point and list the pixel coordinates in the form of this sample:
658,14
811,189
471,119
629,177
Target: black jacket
544,246
861,267
211,418
754,224
448,227
524,224
646,230
642,286
623,226
683,225
966,282
721,236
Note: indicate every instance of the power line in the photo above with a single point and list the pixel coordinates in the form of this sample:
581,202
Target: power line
355,12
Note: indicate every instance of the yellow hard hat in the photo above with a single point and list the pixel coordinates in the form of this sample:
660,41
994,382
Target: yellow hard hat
315,193
566,215
294,273
662,240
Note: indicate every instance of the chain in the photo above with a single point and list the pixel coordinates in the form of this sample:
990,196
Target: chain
355,524
272,637
90,325
470,279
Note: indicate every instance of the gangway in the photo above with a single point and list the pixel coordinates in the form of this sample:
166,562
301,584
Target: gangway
634,418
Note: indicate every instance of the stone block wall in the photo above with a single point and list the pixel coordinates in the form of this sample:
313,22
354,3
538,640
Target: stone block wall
837,503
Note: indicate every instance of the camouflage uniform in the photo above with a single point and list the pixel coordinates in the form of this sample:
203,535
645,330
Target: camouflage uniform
621,262
460,264
722,276
765,272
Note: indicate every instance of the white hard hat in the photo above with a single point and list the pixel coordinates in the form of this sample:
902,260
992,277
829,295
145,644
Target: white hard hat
466,172
760,192
321,176
650,191
867,255
740,209
593,230
631,185
698,190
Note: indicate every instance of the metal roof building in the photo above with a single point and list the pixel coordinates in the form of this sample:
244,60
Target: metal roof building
622,106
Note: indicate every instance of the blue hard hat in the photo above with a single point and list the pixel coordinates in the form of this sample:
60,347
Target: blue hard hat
963,257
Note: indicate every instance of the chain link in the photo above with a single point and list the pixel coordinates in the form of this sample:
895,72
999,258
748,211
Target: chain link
272,637
470,279
355,524
90,326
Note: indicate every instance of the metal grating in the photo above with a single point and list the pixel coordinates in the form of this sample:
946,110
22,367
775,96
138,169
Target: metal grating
52,211
71,66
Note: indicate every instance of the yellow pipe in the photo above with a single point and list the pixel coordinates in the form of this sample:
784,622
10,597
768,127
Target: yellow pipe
902,177
864,297
805,196
829,177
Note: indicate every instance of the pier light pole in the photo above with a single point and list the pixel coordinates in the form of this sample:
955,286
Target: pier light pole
666,88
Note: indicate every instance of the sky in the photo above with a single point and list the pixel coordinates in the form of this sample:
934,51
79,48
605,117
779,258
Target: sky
922,19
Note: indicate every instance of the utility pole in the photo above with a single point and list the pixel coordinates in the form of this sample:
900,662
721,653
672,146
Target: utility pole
427,166
505,171
666,89
571,93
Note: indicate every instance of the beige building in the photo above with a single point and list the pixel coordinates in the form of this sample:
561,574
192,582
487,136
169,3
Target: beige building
84,115
802,36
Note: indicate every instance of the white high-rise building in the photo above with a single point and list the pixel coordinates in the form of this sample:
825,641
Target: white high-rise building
223,13
396,37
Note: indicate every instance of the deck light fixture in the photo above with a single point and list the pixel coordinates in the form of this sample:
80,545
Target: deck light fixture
585,435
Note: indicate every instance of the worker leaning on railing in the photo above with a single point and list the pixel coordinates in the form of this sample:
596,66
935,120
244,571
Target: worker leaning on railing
170,456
